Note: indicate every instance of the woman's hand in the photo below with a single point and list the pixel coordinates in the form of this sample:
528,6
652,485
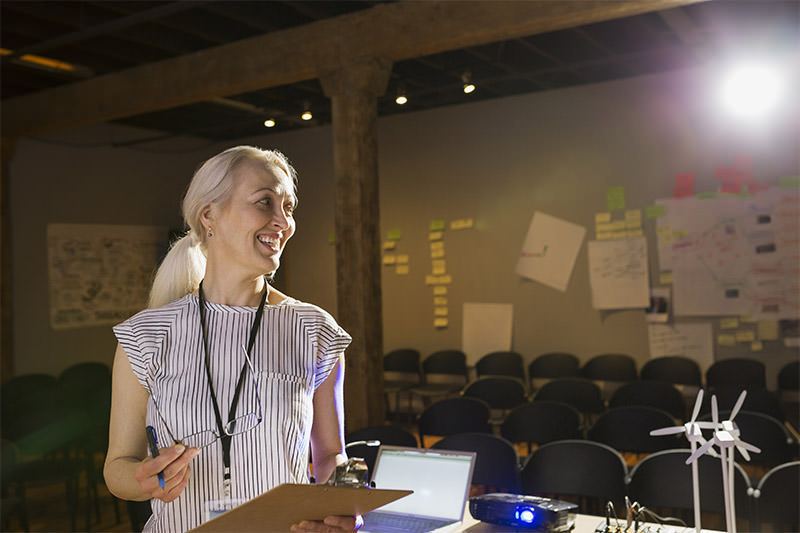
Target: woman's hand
173,462
331,524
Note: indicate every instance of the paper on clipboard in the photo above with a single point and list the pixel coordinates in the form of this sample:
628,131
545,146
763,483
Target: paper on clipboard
284,505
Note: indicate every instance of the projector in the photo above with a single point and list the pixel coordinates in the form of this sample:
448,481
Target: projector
529,512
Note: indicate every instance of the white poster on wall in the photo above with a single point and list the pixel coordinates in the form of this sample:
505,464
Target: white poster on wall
100,274
694,341
550,249
618,273
486,328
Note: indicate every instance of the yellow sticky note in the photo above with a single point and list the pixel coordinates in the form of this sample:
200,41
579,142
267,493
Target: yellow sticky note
604,227
440,322
604,236
435,236
617,225
438,280
619,235
437,254
463,223
747,319
439,267
729,323
635,223
726,340
768,330
633,214
389,245
600,218
440,311
745,335
439,290
439,300
389,259
756,346
664,235
331,238
665,278
438,245
680,234
401,270
394,235
634,233
402,259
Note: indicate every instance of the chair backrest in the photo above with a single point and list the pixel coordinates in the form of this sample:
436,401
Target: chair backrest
675,369
500,392
554,365
541,422
501,364
454,415
402,360
582,394
627,429
737,372
22,397
758,399
87,386
496,461
664,480
446,362
789,377
610,367
659,394
575,467
387,435
766,433
776,497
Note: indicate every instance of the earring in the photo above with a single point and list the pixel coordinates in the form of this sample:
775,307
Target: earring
209,233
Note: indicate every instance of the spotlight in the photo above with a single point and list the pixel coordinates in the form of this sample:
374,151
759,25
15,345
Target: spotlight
751,90
306,112
468,85
269,123
401,99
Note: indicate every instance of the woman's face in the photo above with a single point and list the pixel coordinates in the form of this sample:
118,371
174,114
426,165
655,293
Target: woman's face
253,225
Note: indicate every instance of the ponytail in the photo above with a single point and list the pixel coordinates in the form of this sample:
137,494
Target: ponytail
180,273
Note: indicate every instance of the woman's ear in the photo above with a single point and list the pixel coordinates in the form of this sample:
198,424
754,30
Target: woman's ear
207,216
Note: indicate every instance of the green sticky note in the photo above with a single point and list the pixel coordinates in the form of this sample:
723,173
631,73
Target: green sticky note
655,211
706,195
394,235
789,182
616,198
437,224
331,238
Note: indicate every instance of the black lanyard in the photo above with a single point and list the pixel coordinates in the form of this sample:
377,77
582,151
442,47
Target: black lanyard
223,436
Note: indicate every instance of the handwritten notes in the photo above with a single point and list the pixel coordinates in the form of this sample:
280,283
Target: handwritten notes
618,274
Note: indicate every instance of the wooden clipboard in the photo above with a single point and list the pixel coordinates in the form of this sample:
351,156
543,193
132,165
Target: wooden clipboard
279,508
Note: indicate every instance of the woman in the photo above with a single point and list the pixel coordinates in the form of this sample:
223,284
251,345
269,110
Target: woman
235,378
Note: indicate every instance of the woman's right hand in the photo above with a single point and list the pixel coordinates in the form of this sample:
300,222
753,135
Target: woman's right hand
173,462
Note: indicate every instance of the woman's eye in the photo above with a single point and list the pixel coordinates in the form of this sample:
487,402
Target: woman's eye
289,208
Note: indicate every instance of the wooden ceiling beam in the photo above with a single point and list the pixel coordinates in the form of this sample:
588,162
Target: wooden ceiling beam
395,31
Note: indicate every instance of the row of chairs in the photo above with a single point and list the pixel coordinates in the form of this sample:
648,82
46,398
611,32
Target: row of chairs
596,473
53,430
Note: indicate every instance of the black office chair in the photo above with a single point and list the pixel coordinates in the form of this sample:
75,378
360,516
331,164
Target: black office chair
496,462
386,435
658,394
610,367
789,392
627,429
501,364
776,498
444,374
591,471
502,393
582,394
541,422
663,481
674,369
737,372
552,365
757,399
401,371
454,415
766,433
13,501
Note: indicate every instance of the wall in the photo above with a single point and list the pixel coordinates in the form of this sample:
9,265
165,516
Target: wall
496,161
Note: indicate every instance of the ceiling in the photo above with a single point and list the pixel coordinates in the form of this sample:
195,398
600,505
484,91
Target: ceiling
103,37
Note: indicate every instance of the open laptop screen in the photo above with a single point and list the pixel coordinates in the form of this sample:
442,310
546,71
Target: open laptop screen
440,480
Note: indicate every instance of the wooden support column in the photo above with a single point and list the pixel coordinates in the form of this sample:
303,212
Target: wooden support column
6,356
353,90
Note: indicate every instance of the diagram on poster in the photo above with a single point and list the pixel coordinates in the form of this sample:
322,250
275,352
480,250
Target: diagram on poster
100,275
618,273
550,249
689,340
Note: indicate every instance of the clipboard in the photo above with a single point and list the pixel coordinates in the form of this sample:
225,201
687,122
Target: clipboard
287,504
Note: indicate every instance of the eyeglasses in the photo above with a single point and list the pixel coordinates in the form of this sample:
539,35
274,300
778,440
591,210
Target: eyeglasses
237,426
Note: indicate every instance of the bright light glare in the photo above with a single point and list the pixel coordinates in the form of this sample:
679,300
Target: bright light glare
750,91
468,88
269,123
306,115
401,99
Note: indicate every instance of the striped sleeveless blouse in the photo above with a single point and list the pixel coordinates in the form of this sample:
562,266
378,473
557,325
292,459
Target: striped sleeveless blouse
297,346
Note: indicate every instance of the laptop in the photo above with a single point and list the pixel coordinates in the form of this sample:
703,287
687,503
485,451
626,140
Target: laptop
440,480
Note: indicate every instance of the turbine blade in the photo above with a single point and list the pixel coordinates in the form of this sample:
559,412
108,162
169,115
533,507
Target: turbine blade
714,411
667,431
697,404
747,446
700,451
738,405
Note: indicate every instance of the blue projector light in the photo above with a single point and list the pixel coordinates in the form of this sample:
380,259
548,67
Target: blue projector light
524,512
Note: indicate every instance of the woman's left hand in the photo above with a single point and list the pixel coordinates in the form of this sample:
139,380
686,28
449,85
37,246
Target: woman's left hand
331,524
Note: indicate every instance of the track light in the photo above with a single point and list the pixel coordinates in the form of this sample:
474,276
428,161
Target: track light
269,123
306,112
468,85
401,96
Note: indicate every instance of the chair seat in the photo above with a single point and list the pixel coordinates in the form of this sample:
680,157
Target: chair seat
391,387
435,389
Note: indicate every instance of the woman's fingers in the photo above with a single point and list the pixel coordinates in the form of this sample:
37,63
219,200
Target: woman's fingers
173,464
331,524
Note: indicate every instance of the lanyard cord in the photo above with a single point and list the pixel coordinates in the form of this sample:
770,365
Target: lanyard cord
223,435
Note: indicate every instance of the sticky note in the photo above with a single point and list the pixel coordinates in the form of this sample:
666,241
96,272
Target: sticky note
619,235
435,236
401,270
756,346
725,173
402,259
726,340
603,236
440,322
680,234
633,223
463,223
389,245
601,218
439,267
438,280
439,291
437,254
605,227
789,182
633,214
389,259
767,330
684,185
394,234
729,323
437,245
440,311
731,186
745,335
655,211
634,233
439,300
747,319
437,224
665,278
615,197
331,238
617,225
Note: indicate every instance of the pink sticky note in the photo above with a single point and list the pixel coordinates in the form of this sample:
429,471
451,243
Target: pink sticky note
732,186
743,175
725,173
756,186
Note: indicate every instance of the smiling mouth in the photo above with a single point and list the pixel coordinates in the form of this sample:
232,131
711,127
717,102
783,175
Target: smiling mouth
273,243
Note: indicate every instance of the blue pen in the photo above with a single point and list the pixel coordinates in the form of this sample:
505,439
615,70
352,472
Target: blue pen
152,442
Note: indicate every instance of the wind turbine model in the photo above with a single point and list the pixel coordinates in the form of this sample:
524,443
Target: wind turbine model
726,435
693,431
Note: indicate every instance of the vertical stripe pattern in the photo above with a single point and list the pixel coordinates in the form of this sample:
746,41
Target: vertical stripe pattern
297,346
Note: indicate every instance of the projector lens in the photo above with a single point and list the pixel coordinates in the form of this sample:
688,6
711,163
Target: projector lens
526,515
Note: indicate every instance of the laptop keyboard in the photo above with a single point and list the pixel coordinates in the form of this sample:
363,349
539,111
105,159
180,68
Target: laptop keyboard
389,522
